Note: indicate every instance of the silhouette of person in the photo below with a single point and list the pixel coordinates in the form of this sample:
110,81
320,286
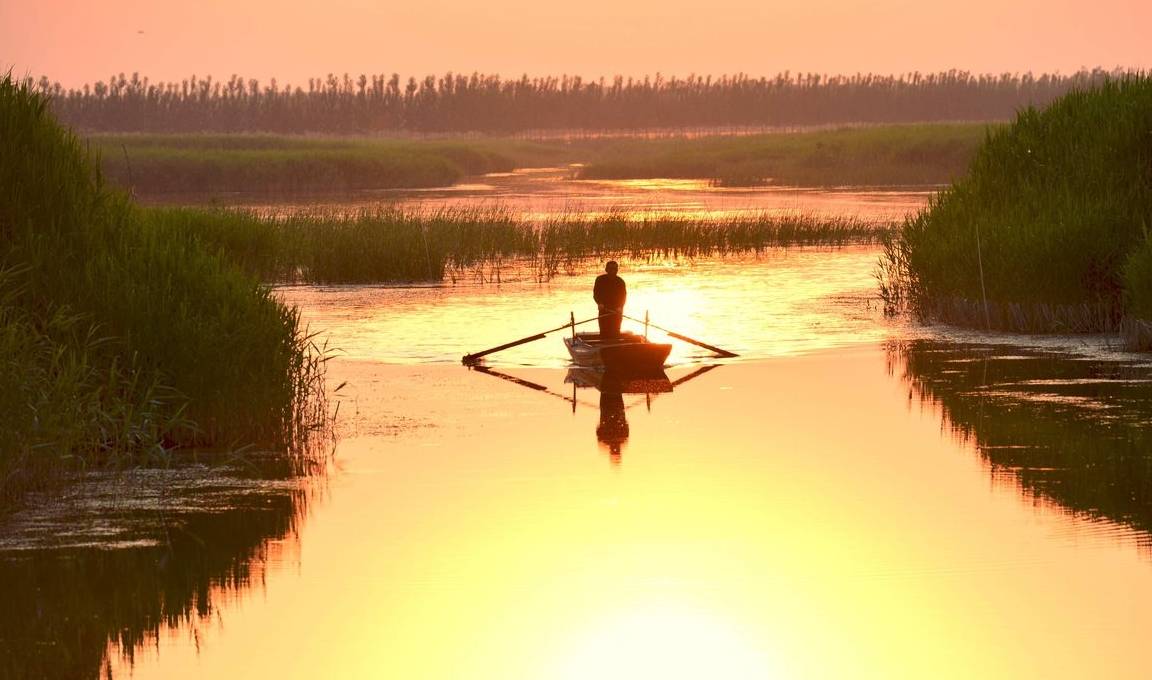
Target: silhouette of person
609,292
612,431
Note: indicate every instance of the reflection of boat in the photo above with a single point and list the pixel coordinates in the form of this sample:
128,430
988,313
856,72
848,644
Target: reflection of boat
654,382
612,430
627,353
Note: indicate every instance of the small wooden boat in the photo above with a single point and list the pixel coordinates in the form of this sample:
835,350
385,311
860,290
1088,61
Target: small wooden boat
627,353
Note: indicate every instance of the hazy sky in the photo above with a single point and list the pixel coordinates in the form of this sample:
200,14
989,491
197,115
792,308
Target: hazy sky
74,41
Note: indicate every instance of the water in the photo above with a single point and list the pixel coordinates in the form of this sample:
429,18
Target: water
852,497
782,302
551,193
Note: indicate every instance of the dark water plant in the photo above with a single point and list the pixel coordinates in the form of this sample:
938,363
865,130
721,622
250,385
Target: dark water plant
1038,234
121,343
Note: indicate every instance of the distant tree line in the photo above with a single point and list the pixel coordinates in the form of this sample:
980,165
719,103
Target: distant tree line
491,104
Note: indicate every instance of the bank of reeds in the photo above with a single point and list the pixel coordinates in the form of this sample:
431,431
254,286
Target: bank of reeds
396,245
118,343
1048,231
860,156
479,102
156,165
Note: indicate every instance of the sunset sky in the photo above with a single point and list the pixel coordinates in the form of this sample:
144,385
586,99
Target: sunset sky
75,42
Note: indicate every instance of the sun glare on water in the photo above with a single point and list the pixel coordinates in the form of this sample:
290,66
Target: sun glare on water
664,642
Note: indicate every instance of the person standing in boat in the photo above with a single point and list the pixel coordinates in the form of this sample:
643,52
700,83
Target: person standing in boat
610,294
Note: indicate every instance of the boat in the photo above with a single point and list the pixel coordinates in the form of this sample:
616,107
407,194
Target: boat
625,354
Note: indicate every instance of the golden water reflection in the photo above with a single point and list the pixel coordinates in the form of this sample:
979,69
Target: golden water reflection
782,302
551,193
789,518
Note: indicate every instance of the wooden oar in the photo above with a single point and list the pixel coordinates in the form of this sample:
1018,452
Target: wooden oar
685,338
473,358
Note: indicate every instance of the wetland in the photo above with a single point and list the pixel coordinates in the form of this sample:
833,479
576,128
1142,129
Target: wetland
856,494
926,501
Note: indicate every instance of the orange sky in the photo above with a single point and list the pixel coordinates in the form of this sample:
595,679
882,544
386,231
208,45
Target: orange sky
74,42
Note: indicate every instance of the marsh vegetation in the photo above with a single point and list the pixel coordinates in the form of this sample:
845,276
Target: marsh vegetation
158,165
397,245
1049,230
162,166
120,344
901,155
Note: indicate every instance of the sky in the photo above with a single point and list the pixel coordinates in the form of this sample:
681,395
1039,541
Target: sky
74,42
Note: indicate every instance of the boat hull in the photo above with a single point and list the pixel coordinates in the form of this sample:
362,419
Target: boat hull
628,354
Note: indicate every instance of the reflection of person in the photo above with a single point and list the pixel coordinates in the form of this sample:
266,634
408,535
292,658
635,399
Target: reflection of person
613,428
610,293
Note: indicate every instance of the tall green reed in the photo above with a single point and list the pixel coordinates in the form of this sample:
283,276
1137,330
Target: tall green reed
121,343
1043,225
397,245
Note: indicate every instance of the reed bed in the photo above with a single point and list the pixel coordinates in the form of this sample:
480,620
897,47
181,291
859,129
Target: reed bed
488,103
893,155
120,344
159,166
152,165
398,245
1048,231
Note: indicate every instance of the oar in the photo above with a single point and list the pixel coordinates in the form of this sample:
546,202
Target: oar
685,338
694,374
472,358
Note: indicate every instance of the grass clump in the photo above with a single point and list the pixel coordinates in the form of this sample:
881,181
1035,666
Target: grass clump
862,156
1047,231
120,343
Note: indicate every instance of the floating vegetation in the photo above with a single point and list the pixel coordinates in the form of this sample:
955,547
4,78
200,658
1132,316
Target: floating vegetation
1048,232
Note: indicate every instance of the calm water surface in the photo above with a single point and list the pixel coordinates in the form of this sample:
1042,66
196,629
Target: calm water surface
550,193
850,498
